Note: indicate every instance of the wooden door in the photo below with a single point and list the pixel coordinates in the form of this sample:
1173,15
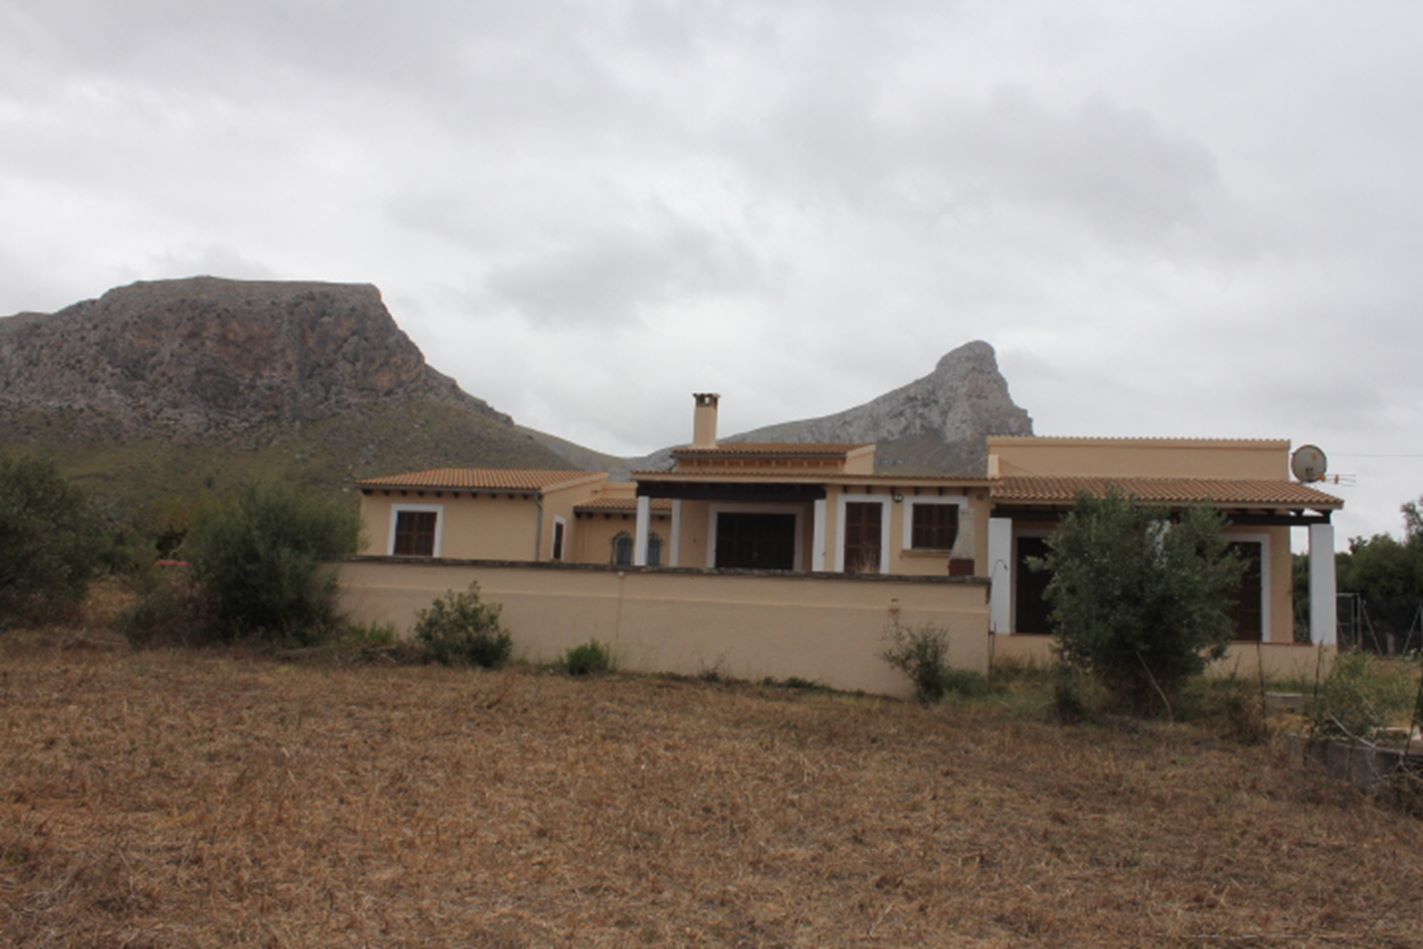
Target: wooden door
1247,612
862,536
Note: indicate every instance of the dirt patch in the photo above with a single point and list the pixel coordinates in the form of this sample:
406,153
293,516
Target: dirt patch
200,799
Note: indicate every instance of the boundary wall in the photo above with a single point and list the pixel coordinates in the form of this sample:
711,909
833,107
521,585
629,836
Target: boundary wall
828,628
1294,662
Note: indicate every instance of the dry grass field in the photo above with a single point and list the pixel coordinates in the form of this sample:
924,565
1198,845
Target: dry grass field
168,798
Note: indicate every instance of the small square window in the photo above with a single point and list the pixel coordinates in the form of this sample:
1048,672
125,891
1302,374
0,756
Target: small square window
935,526
414,534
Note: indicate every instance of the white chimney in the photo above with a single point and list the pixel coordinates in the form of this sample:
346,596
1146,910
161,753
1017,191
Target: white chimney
704,420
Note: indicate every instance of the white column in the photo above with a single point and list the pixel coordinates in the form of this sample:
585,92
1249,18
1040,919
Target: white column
1000,574
1323,615
817,537
644,524
674,556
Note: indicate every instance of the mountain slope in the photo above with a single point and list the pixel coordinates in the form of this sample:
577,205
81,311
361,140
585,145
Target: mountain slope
182,385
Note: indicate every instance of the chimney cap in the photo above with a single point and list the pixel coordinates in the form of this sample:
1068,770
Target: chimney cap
706,398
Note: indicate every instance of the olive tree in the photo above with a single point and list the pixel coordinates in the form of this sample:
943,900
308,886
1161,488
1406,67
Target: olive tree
1140,601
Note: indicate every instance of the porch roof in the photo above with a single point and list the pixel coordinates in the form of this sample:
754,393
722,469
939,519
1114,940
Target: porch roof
779,484
626,505
796,476
1233,493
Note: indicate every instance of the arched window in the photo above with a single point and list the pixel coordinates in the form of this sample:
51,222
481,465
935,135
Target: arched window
654,550
622,550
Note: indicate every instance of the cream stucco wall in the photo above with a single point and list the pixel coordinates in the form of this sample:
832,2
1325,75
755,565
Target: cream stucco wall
827,629
1281,661
1122,458
490,527
593,536
559,503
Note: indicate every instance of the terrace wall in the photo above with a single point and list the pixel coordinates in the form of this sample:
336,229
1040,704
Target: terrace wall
821,627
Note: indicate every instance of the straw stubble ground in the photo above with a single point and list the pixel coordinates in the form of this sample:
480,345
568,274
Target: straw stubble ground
197,799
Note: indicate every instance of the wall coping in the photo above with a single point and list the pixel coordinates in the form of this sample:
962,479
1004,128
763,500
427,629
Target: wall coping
672,571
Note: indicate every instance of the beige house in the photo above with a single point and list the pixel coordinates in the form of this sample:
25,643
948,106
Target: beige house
820,513
1036,480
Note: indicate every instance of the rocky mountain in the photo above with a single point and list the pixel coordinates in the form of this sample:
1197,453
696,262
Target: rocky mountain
169,388
175,386
202,355
934,425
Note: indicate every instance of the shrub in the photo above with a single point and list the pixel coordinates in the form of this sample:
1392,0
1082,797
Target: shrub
460,629
172,611
1363,695
261,558
589,658
921,653
1068,705
51,541
368,635
1140,604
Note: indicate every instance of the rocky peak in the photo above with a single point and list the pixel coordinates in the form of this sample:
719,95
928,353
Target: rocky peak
935,424
206,353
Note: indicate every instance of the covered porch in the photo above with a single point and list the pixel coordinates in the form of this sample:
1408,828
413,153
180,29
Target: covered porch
854,524
1261,518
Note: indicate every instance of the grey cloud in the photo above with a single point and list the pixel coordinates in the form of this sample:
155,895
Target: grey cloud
616,276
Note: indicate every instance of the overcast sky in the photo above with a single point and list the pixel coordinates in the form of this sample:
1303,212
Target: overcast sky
1168,218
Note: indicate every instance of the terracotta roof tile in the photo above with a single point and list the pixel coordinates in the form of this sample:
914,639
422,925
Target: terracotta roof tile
1064,489
770,448
620,506
499,479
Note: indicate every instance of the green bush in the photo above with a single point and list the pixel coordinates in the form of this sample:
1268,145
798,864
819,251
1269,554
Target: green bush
1363,695
368,635
461,629
1140,603
921,653
262,557
589,658
52,543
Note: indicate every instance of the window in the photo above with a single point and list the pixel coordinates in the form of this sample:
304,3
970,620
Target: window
935,526
414,533
622,550
558,529
654,550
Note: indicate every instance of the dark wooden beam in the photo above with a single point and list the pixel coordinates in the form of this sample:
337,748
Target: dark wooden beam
719,491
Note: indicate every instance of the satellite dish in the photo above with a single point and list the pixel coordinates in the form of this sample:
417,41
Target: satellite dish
1308,463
